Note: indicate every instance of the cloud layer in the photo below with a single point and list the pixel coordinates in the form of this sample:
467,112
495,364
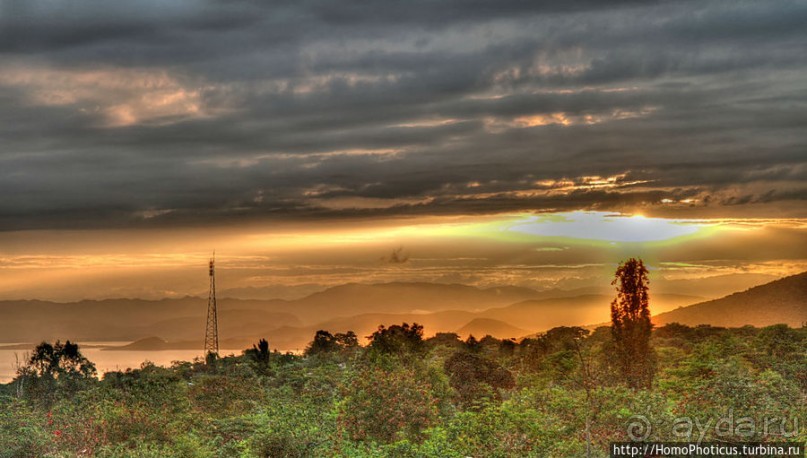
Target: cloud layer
162,113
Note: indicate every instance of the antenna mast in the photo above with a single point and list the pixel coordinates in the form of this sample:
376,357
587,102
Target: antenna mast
212,330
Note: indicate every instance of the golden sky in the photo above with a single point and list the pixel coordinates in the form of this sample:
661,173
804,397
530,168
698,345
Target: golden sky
566,250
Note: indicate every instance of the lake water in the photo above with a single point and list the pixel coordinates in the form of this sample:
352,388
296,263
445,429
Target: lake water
106,361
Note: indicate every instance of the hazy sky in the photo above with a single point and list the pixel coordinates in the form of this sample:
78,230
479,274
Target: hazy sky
140,134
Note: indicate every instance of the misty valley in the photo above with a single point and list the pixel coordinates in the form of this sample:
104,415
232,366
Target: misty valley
342,372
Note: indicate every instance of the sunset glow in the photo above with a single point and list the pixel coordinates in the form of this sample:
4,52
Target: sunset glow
402,228
535,250
609,227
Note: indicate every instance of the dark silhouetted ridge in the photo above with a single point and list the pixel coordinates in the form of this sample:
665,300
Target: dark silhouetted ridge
781,301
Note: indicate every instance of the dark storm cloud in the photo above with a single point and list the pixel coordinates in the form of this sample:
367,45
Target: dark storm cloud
146,112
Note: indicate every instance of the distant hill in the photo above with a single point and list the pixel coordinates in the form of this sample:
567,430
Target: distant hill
182,318
231,323
356,299
544,314
133,319
147,344
521,318
291,338
781,301
158,344
271,292
365,324
713,287
290,324
480,327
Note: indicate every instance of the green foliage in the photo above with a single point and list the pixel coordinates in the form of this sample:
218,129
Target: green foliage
228,394
324,343
401,340
54,371
784,350
23,430
556,394
291,425
444,339
58,360
384,405
476,379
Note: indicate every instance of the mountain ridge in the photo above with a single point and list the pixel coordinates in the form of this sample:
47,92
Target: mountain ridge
358,307
782,301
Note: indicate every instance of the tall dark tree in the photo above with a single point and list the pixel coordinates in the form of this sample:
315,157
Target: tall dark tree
53,371
398,339
324,342
630,324
58,360
260,353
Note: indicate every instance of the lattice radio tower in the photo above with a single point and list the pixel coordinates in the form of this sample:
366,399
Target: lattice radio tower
212,331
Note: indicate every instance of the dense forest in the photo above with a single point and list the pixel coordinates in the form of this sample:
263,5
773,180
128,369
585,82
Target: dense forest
557,394
567,392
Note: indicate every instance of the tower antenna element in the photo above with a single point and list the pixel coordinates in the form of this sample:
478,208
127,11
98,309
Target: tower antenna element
212,328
